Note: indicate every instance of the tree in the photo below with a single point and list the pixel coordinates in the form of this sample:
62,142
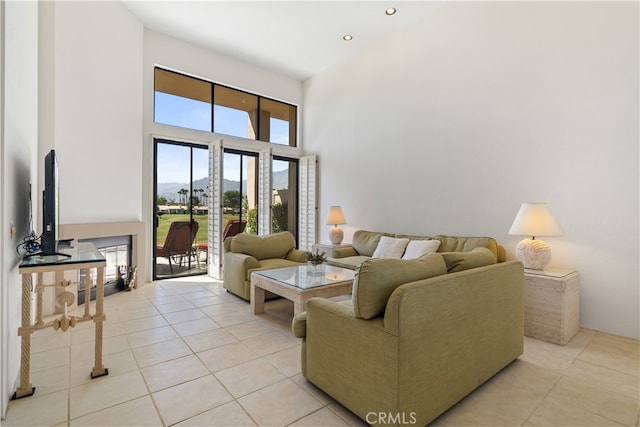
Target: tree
231,199
161,200
193,201
279,217
183,194
252,221
201,191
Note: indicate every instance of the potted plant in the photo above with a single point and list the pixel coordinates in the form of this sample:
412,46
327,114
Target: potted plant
315,262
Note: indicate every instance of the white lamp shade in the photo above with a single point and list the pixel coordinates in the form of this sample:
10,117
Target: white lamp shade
335,216
534,219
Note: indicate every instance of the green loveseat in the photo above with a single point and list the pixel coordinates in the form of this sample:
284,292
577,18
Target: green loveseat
415,339
244,253
365,243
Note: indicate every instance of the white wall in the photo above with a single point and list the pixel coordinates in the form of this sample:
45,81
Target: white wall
18,160
71,80
93,109
449,126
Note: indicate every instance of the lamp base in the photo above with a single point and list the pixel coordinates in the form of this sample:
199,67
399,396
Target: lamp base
336,235
534,254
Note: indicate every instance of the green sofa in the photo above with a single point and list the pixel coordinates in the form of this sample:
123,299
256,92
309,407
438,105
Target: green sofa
418,335
244,253
365,243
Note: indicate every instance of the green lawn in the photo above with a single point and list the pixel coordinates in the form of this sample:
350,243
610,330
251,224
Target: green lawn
164,222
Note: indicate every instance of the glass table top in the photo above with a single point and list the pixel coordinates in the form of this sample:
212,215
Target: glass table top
301,277
77,253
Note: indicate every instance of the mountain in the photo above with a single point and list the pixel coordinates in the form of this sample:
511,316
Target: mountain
169,190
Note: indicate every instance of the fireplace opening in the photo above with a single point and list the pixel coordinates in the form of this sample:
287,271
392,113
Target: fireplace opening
117,252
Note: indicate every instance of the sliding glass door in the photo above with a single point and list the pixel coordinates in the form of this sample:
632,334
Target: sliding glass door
284,195
240,192
181,178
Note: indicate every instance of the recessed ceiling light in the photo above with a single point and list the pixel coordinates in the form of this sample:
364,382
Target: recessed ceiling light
347,37
390,11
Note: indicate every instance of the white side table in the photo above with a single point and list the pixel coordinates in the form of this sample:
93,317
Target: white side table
327,248
551,304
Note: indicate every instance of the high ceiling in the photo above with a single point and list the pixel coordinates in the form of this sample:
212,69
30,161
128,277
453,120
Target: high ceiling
296,38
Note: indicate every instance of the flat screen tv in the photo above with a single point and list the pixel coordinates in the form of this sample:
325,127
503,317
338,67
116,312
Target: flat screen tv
50,205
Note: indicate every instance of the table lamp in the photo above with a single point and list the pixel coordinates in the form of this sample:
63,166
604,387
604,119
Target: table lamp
335,218
534,219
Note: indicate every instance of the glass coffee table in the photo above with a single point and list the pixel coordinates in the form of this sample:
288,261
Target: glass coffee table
298,284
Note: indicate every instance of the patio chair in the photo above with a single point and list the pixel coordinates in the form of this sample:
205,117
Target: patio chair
233,227
179,242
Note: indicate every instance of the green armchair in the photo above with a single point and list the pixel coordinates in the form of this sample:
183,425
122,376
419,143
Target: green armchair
245,253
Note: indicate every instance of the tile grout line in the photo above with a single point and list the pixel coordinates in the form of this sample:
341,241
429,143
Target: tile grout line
563,375
533,411
153,401
555,383
69,385
234,398
198,358
580,348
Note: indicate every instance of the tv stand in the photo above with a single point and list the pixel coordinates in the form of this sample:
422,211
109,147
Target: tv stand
83,256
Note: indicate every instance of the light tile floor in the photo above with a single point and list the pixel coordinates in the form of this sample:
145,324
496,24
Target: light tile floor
186,352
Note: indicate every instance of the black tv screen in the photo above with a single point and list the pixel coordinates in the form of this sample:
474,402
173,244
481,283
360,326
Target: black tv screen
50,205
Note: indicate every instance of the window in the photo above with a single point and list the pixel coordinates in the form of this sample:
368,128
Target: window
182,101
235,113
278,122
198,104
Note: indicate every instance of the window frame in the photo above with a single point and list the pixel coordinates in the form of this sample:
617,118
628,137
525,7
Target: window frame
260,114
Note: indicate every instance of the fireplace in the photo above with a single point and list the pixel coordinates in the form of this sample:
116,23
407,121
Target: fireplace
133,231
117,250
95,230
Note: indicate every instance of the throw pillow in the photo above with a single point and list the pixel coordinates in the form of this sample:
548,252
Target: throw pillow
365,242
460,261
417,248
376,279
466,244
390,247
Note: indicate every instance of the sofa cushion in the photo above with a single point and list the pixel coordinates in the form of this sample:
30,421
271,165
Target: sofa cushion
466,244
299,323
417,248
366,242
376,279
460,261
412,237
262,247
351,262
390,247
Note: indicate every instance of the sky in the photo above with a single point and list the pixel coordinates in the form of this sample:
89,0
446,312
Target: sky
173,160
